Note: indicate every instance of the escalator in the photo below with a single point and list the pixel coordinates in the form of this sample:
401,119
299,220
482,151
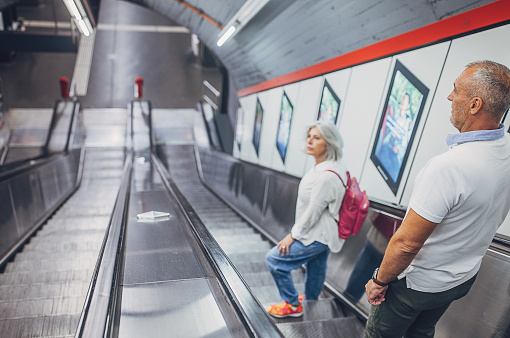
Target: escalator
43,289
246,248
91,272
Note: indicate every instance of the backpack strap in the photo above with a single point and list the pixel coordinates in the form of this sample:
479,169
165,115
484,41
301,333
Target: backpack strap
334,172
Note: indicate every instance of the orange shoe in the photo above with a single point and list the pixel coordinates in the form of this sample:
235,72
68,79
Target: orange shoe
284,309
301,297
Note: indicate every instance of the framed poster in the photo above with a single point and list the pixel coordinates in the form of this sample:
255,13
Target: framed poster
402,110
257,125
330,104
283,133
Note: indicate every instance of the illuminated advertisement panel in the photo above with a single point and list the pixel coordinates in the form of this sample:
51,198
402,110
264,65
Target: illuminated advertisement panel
397,128
257,126
282,136
330,104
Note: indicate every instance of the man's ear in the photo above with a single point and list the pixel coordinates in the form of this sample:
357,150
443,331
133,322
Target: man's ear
475,105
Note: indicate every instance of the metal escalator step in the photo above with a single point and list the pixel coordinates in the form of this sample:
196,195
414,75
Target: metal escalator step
34,256
43,290
222,220
269,294
61,326
223,225
55,263
238,257
41,307
218,233
64,234
238,236
237,248
77,212
64,247
264,278
349,327
91,222
48,276
248,267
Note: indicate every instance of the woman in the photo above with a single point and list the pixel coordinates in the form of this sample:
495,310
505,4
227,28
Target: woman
315,232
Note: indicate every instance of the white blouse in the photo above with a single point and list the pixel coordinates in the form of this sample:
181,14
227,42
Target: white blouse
320,194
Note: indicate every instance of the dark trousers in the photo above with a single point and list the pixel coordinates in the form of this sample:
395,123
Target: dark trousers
409,313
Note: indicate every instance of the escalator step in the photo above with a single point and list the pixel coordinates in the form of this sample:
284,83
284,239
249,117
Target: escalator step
218,233
264,278
43,290
41,307
269,294
48,276
349,327
240,248
64,247
44,326
55,263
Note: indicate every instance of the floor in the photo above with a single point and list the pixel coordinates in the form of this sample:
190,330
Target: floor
126,45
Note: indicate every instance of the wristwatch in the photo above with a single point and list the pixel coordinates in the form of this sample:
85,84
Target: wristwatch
375,280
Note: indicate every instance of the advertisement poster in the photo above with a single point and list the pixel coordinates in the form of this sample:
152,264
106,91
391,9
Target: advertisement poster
397,128
330,104
282,137
257,126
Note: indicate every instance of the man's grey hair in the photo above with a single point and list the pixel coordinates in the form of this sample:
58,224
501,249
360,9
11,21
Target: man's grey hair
330,134
491,82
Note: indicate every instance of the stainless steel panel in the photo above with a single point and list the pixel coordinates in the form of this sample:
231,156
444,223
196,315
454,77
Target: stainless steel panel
184,308
59,135
281,206
50,192
8,229
157,251
27,198
485,311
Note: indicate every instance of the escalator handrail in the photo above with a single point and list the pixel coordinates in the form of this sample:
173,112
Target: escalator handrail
100,311
24,165
245,303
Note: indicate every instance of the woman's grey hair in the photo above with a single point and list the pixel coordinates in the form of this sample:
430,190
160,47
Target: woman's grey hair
331,135
491,82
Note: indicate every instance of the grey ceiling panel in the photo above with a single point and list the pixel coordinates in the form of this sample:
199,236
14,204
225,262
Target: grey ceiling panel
288,35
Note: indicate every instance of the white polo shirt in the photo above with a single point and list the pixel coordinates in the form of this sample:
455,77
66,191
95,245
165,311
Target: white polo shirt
467,192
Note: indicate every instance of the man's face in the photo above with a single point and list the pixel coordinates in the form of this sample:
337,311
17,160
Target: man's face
460,99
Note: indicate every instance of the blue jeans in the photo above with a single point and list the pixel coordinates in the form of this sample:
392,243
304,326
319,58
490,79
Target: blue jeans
315,259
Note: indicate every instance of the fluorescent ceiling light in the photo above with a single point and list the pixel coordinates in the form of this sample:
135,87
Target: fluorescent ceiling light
77,12
225,36
240,19
73,10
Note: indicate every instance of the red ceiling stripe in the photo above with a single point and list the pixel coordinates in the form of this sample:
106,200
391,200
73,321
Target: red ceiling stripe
475,19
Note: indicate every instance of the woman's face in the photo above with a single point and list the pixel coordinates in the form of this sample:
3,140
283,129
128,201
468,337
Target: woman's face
316,145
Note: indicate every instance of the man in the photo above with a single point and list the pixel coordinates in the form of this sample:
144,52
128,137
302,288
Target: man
460,199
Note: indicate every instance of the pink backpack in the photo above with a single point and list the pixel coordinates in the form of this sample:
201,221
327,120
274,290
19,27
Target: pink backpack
354,208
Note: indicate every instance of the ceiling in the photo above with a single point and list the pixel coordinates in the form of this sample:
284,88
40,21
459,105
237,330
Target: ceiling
288,35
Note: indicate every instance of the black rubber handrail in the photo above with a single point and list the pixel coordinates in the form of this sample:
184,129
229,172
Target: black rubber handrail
246,304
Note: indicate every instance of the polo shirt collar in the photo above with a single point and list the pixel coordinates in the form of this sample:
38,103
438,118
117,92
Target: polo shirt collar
477,135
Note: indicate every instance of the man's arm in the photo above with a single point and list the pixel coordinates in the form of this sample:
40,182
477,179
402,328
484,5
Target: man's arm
402,249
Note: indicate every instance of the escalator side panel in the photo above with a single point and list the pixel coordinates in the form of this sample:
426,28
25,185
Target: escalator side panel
8,228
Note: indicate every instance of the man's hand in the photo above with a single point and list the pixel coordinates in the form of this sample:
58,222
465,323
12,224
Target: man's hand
284,245
375,293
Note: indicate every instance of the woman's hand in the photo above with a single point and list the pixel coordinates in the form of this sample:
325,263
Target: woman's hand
284,245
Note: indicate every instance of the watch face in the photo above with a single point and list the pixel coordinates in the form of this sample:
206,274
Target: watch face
374,276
